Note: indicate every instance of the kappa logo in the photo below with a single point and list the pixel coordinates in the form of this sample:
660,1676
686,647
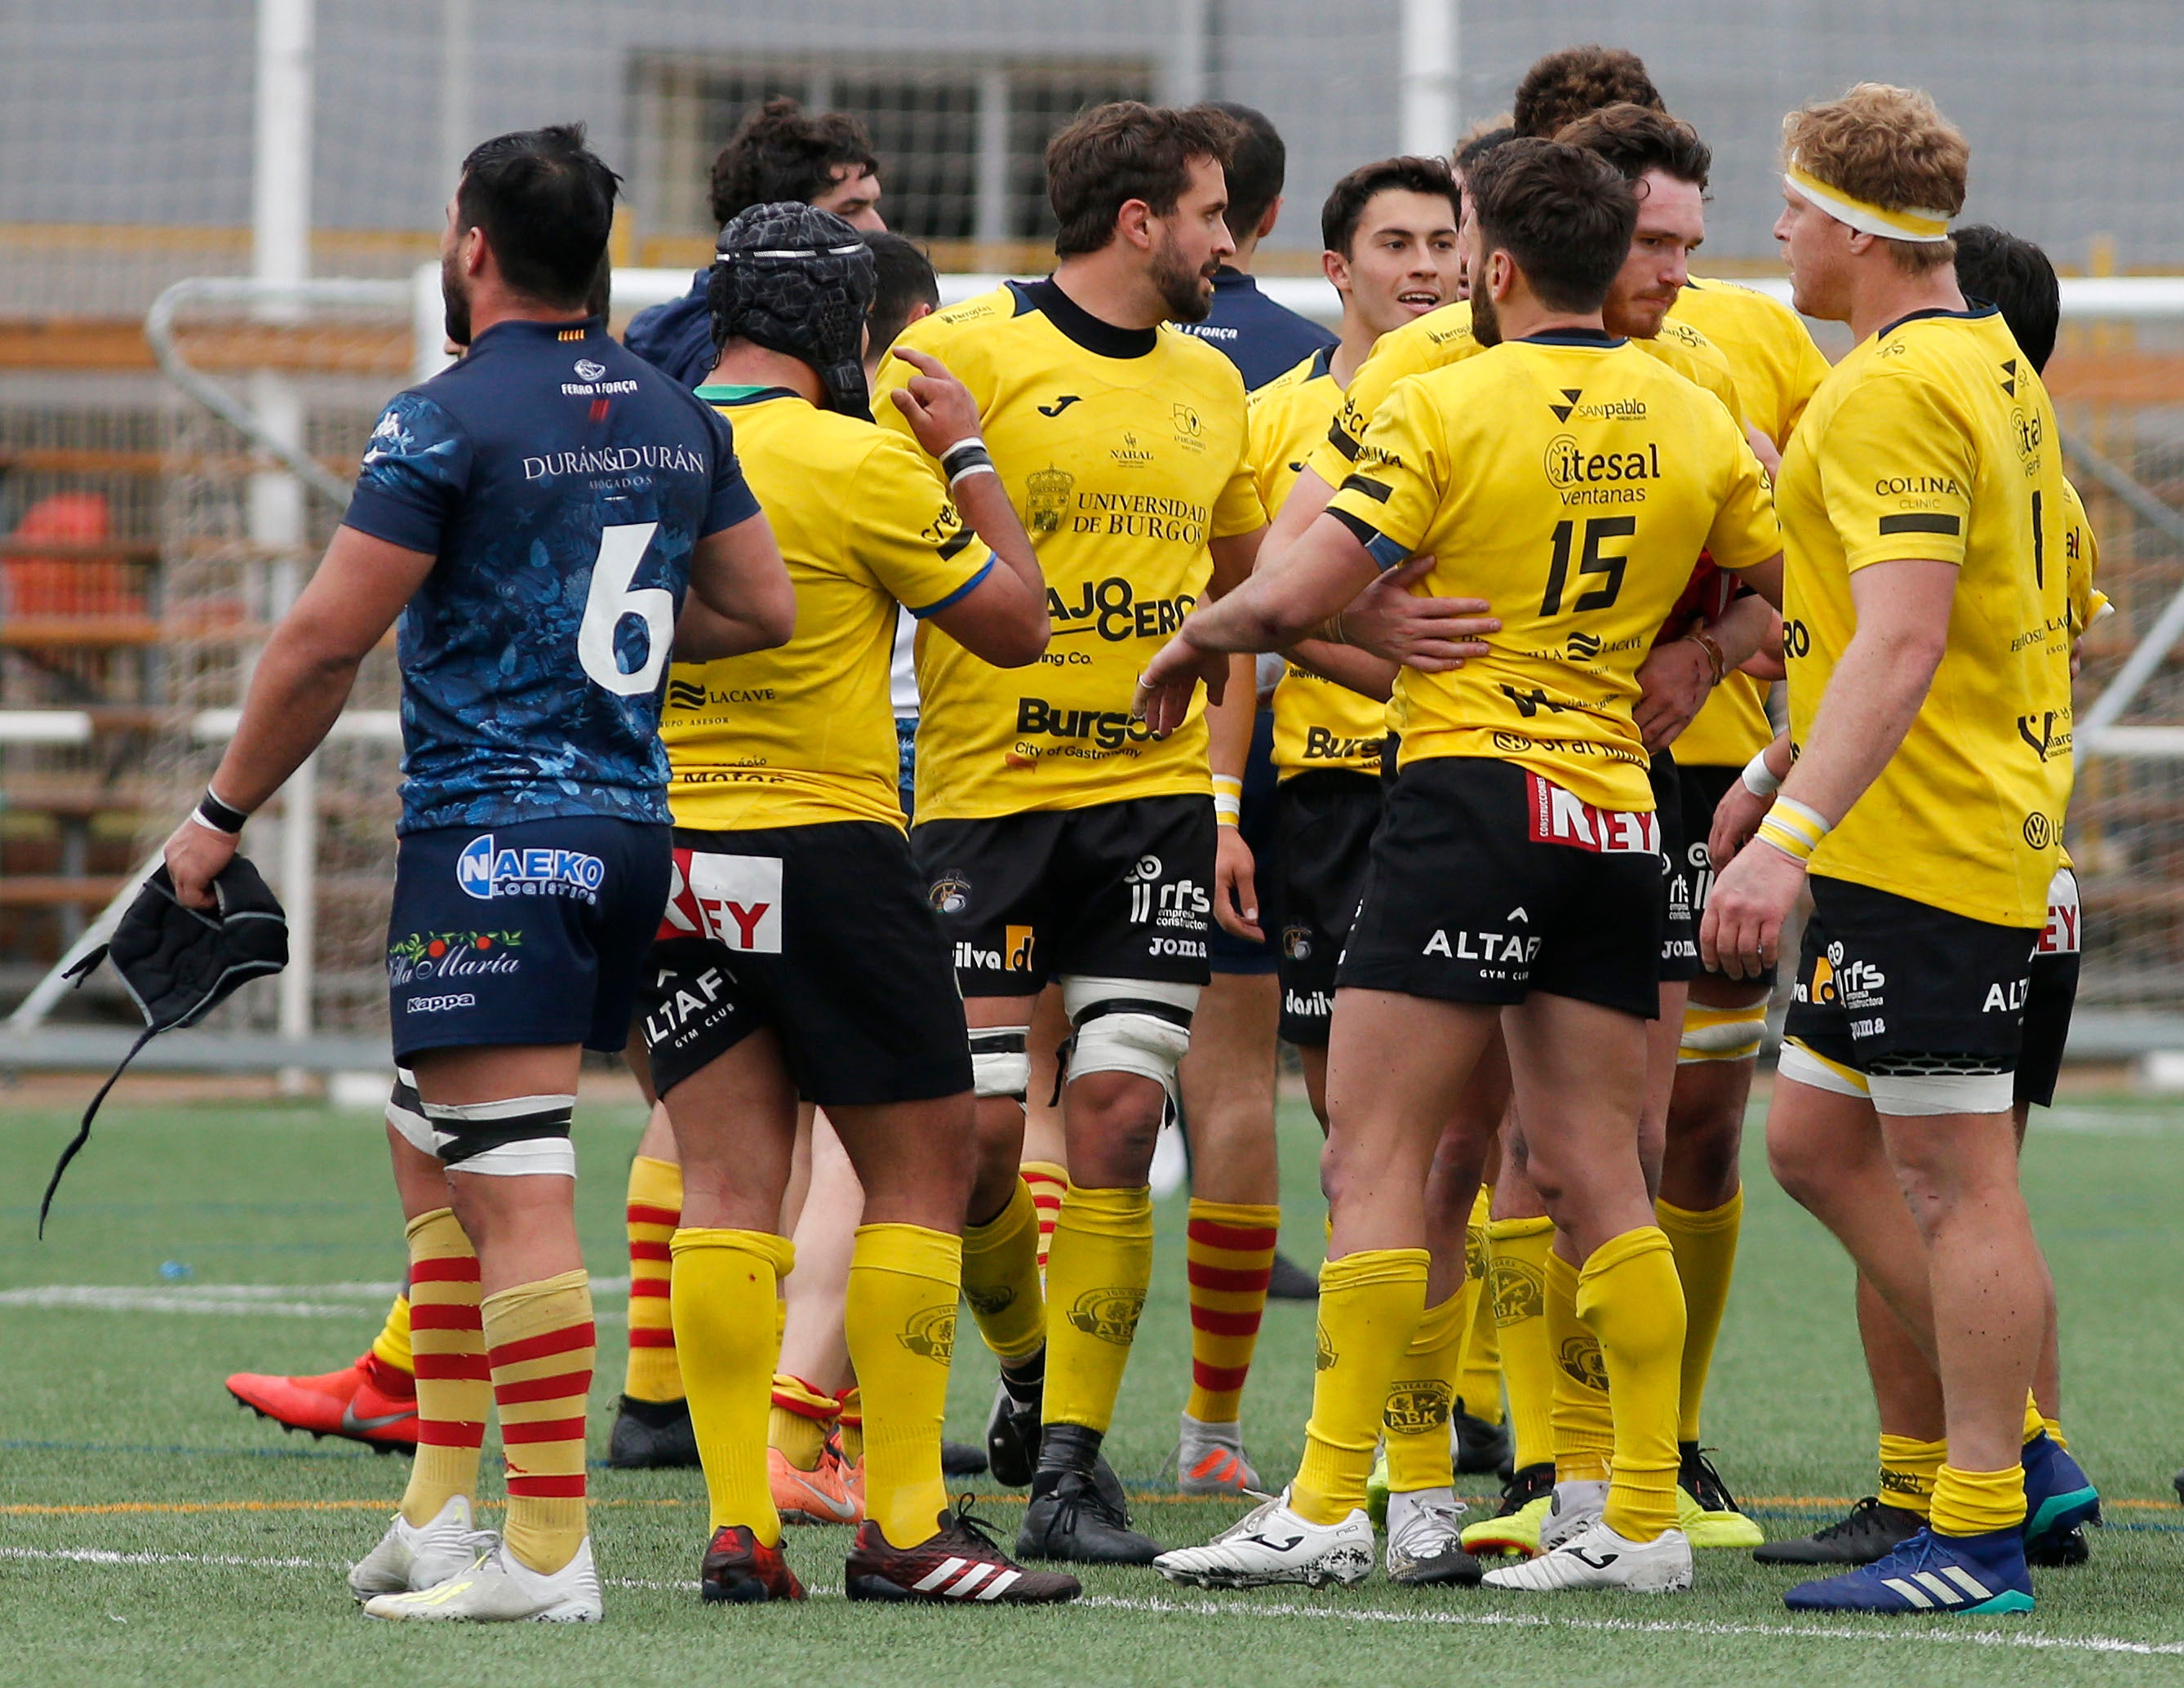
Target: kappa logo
1110,1314
735,900
931,1332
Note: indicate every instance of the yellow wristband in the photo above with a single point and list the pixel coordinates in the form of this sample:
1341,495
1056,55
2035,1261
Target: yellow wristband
1795,828
1224,817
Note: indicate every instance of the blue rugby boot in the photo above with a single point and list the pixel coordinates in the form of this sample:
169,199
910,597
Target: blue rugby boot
1967,1575
2058,1497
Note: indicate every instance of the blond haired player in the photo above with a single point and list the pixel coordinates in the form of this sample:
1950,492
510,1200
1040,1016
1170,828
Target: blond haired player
1516,878
1059,839
1922,621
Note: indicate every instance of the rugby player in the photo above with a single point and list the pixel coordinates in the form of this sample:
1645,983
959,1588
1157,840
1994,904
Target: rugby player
798,955
1391,251
778,154
1515,879
1226,1083
533,516
1059,839
2015,276
1922,621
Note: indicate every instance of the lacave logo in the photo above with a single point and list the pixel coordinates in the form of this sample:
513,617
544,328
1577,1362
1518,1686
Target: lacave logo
486,872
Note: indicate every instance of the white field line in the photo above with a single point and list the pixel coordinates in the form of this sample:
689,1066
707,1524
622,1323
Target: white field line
275,1300
1907,1630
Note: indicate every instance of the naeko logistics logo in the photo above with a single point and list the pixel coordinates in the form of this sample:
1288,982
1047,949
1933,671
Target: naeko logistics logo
485,873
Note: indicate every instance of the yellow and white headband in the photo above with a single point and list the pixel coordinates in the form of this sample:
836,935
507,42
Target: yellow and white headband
1862,215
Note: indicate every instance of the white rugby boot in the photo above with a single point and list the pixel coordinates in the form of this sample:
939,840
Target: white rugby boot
1272,1544
1575,1508
1597,1557
417,1556
498,1588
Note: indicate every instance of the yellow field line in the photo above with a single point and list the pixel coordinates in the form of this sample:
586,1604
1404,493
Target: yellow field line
114,1507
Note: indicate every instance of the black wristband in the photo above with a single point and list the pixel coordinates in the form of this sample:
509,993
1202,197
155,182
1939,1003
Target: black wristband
964,456
221,817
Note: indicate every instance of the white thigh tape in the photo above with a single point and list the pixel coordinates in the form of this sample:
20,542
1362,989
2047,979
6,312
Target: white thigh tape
1910,1095
406,1114
1801,1064
517,1137
1128,1025
1001,1065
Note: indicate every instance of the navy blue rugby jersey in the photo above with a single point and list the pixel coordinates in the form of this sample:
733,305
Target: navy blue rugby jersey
1261,338
677,339
562,482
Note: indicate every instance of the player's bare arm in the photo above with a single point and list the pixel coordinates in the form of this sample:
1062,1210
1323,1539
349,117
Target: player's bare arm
1004,619
1229,726
1869,705
1678,674
297,689
740,599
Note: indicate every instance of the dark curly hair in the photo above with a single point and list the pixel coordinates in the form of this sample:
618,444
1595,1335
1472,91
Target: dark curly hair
1564,87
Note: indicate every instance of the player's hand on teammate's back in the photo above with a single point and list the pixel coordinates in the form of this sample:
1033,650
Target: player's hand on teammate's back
938,408
1432,635
1165,688
195,856
1741,932
1235,886
1673,683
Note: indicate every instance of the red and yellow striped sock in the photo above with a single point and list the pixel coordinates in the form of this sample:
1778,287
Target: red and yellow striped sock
391,1347
1229,1254
1048,1183
540,1343
656,1209
799,1422
453,1389
850,1421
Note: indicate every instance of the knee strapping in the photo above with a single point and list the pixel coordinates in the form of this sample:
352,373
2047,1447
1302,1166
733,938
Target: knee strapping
1128,1026
521,1136
1806,1068
1721,1034
406,1113
1001,1065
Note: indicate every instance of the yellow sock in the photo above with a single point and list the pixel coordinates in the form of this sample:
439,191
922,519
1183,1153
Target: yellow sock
1977,1503
656,1209
798,1422
1627,1294
1479,1357
1584,1423
1229,1250
391,1346
901,1322
2034,1423
1517,1291
1096,1281
1705,1244
1419,1401
1907,1470
1002,1260
2053,1427
454,1391
726,1283
849,1423
540,1343
1048,1183
1370,1303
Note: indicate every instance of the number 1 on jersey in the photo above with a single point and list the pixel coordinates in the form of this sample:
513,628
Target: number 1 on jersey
622,549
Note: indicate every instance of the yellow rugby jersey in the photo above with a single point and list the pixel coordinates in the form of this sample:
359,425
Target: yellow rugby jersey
1569,480
1124,452
1317,724
805,733
1934,439
1444,337
2081,558
1778,369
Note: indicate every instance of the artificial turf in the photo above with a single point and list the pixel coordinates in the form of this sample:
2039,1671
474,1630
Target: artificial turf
151,1531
